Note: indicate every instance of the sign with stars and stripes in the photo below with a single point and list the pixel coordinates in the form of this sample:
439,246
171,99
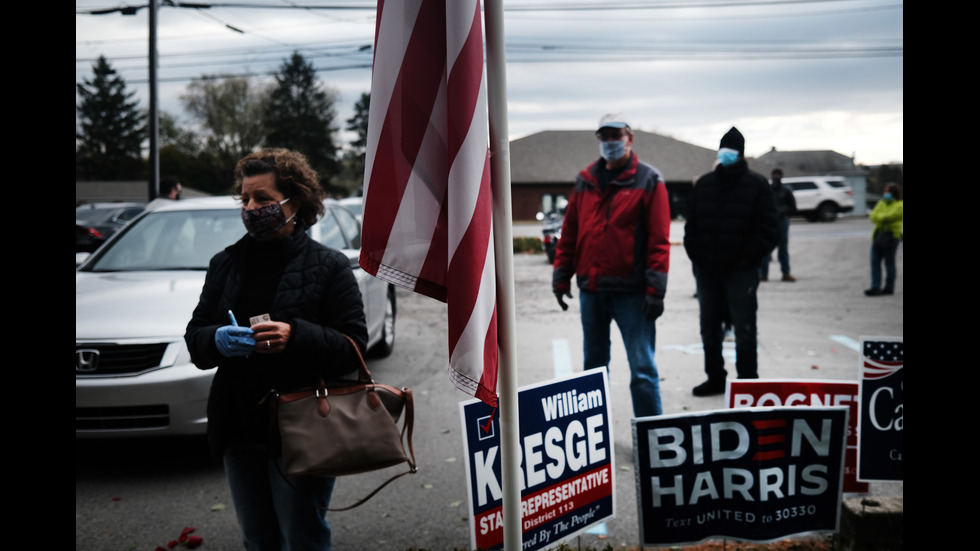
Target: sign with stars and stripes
755,474
880,446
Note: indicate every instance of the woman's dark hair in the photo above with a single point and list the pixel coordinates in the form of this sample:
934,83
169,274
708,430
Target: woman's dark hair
896,192
295,179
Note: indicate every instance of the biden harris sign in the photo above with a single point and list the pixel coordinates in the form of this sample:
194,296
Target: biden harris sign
755,474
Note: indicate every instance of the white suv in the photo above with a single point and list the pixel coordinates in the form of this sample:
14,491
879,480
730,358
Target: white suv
820,198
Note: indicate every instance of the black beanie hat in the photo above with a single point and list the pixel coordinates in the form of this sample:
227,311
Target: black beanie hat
734,140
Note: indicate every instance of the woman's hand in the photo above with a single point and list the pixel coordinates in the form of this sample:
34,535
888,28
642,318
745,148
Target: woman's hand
271,337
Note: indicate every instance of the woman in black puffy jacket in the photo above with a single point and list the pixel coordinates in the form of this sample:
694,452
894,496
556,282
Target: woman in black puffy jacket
274,312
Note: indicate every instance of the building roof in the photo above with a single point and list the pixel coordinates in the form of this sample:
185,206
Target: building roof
812,162
556,156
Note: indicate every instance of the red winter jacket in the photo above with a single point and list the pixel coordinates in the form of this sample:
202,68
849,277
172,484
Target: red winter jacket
616,240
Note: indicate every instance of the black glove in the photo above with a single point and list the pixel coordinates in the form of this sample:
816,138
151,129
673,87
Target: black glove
653,307
561,301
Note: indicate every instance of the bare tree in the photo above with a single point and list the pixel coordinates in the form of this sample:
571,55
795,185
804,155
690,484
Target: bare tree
230,111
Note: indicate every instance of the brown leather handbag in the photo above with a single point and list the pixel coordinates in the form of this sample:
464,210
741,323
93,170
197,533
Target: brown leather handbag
345,427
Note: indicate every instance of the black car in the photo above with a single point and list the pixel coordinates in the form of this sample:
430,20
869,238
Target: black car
96,222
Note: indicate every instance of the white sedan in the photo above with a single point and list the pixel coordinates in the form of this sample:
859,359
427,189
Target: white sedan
135,295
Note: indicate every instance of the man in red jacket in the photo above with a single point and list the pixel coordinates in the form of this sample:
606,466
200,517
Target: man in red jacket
615,241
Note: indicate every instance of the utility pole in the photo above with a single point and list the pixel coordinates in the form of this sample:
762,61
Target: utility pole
154,116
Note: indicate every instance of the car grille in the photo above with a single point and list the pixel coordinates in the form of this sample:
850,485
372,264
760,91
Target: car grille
118,359
121,418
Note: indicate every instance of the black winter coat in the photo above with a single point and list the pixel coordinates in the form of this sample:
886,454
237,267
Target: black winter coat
731,220
318,295
785,201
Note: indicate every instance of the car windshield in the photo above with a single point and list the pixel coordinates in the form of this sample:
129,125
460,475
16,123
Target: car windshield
337,229
94,216
171,240
356,207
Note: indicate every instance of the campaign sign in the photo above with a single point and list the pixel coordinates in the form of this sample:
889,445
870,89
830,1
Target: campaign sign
566,462
880,451
743,393
751,474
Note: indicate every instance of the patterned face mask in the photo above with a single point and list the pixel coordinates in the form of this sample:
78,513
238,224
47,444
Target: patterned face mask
265,221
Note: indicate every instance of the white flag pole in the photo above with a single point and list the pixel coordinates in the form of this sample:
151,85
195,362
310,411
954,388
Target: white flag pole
503,241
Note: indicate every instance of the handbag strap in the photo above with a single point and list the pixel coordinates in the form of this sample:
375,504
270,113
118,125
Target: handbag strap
364,375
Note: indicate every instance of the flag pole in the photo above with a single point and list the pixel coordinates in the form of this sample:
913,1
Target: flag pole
503,241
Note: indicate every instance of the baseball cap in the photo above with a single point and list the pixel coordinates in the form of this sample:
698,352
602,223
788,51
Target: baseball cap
613,120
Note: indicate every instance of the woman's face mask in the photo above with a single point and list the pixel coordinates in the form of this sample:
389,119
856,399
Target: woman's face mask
265,221
727,157
887,196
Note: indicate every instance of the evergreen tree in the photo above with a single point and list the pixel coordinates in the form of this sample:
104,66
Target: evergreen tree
358,124
300,116
112,128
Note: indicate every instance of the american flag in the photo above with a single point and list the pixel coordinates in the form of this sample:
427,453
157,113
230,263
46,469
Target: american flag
427,206
882,358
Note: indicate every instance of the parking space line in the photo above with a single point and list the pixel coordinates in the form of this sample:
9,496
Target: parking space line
847,341
563,367
562,358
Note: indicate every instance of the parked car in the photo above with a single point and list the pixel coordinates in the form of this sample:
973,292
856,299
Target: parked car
550,232
96,222
135,295
820,198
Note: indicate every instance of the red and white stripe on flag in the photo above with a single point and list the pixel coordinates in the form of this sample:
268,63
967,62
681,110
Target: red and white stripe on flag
427,201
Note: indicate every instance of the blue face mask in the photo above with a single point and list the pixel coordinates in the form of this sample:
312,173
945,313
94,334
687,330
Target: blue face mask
727,157
612,150
887,196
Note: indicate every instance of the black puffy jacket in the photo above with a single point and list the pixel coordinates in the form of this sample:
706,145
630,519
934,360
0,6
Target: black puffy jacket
731,220
317,294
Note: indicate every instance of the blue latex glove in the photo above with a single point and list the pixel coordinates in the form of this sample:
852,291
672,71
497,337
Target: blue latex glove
234,341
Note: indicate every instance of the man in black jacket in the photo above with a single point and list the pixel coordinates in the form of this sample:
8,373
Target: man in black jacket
785,206
731,226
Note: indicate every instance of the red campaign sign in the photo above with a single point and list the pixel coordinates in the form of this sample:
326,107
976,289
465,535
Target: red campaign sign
549,504
745,393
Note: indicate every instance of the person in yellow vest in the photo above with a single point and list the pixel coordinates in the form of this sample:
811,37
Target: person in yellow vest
887,218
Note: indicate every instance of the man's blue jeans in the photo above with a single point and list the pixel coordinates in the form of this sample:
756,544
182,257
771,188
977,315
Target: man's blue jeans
272,515
733,290
783,250
599,310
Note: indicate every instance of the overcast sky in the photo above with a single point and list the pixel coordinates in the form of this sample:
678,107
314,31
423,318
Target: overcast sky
790,74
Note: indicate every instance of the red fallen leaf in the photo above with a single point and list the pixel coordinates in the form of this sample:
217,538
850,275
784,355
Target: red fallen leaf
116,498
159,549
172,544
814,367
187,530
193,542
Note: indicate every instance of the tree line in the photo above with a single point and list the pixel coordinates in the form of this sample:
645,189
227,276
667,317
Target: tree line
234,115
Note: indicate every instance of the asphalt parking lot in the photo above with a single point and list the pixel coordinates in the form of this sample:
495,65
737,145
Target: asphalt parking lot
139,495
